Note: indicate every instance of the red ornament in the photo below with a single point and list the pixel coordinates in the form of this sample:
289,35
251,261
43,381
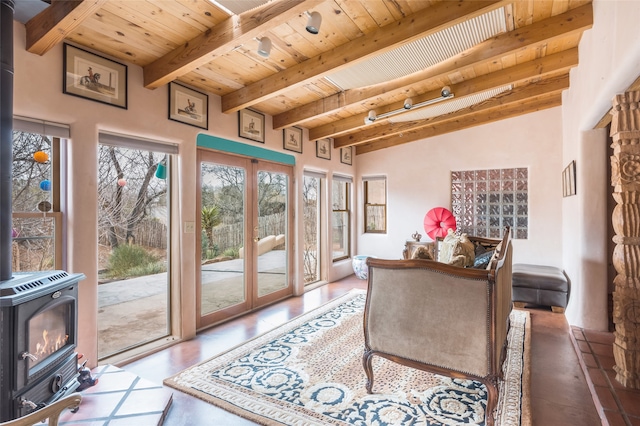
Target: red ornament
122,182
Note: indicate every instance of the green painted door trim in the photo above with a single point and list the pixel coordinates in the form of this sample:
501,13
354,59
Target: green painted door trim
225,145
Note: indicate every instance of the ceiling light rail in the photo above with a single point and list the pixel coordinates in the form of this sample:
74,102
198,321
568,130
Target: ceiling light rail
445,94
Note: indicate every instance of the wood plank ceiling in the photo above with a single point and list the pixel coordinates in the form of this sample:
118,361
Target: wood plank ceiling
203,45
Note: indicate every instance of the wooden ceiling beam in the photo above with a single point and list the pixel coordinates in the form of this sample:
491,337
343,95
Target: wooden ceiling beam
53,24
538,68
518,100
517,95
472,120
221,39
413,27
573,21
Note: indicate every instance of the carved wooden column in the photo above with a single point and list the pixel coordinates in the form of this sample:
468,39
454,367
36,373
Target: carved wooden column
625,178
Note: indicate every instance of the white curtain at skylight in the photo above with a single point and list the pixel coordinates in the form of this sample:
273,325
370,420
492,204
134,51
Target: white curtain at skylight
238,6
422,53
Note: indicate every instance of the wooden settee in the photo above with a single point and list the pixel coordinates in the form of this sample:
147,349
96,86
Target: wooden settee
441,318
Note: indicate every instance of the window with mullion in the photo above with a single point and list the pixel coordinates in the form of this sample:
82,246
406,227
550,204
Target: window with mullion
340,220
375,205
36,216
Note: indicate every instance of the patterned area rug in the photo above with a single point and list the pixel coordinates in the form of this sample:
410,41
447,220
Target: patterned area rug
309,372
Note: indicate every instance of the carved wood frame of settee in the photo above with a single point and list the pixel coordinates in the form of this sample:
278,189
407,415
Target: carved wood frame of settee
445,319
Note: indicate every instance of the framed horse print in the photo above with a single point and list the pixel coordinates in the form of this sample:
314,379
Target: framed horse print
188,106
94,77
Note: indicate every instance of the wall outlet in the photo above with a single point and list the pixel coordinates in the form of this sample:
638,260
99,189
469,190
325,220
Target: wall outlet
189,227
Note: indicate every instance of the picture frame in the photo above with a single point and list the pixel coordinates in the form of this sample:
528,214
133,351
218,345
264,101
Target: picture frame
251,125
346,155
323,148
94,77
569,180
292,139
188,106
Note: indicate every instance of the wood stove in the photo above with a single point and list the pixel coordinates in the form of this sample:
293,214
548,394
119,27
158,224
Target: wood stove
38,337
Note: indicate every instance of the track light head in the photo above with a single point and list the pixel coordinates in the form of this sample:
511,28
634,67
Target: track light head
371,117
264,47
314,21
408,103
446,91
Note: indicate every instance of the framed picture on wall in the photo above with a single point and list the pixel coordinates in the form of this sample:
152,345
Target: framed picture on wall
292,139
188,106
569,180
346,155
251,125
323,148
94,77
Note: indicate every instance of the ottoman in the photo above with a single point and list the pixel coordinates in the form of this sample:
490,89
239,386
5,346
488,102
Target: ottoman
540,285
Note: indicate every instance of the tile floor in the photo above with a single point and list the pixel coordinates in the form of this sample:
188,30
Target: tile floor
120,398
616,405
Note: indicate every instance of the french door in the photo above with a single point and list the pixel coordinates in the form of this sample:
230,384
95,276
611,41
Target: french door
244,234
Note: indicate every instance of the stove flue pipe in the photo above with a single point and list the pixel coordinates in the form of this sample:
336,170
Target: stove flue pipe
7,8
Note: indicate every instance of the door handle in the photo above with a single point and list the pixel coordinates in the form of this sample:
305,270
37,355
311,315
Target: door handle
256,238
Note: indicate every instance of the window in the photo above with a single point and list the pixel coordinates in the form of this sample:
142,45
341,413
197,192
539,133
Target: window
36,217
375,204
484,202
134,229
340,218
312,186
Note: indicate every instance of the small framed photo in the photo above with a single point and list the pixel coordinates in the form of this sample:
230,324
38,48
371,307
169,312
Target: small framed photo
251,125
346,154
292,139
569,180
188,106
94,77
323,148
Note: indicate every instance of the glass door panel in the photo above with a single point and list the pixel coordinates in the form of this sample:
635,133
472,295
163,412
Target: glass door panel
272,231
222,289
243,235
311,217
134,276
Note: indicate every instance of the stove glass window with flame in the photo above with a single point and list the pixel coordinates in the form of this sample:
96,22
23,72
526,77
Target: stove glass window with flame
49,331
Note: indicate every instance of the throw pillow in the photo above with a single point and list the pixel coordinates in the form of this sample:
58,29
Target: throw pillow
422,252
447,245
483,259
464,250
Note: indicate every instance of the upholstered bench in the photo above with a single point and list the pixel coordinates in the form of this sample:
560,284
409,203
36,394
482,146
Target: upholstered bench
540,285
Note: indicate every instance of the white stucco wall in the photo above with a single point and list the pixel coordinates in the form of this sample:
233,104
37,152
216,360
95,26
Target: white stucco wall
38,94
609,63
419,178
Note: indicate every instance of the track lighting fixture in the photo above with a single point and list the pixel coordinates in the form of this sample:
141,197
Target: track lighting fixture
370,118
408,104
314,21
264,47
